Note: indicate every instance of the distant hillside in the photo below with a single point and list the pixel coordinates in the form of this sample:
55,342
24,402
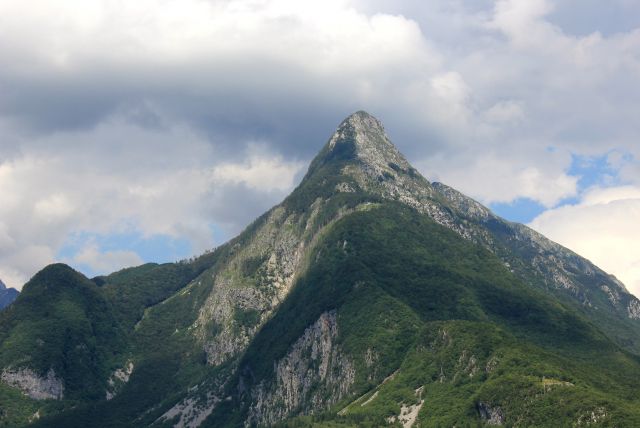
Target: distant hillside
7,295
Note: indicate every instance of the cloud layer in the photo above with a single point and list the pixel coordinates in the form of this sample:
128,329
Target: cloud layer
186,119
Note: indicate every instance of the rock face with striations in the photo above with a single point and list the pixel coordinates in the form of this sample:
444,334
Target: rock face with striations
37,387
368,296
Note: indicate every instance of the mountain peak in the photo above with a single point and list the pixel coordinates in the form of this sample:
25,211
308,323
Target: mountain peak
361,141
368,140
362,119
359,156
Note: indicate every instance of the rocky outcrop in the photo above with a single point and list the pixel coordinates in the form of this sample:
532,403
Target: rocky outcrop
633,309
468,365
313,375
190,412
117,379
593,417
197,404
379,168
470,207
490,414
612,294
409,412
48,387
245,291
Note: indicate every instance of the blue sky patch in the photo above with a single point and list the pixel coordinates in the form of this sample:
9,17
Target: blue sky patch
156,248
522,210
593,171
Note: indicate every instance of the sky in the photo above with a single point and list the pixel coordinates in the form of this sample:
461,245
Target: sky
153,130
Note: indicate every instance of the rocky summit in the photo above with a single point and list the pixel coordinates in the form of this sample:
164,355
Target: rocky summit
369,297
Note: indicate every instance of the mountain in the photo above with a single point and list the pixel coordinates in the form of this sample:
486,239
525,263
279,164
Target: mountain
368,297
7,295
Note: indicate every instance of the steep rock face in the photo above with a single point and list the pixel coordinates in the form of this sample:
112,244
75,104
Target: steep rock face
314,374
48,387
251,283
255,279
633,308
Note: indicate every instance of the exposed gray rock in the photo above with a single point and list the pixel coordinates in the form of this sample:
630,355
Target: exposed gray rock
198,403
593,417
463,203
408,412
118,378
492,415
191,412
313,375
492,363
467,364
612,294
634,308
279,246
48,387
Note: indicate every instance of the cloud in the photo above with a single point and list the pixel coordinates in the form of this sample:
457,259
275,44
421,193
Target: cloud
105,262
173,118
259,172
603,227
504,176
121,177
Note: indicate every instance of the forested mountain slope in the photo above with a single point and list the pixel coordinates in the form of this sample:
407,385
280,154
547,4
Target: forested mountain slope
368,297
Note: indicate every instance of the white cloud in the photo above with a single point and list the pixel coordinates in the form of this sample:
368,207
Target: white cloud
160,182
53,207
104,262
139,116
604,228
260,172
504,176
507,111
522,20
